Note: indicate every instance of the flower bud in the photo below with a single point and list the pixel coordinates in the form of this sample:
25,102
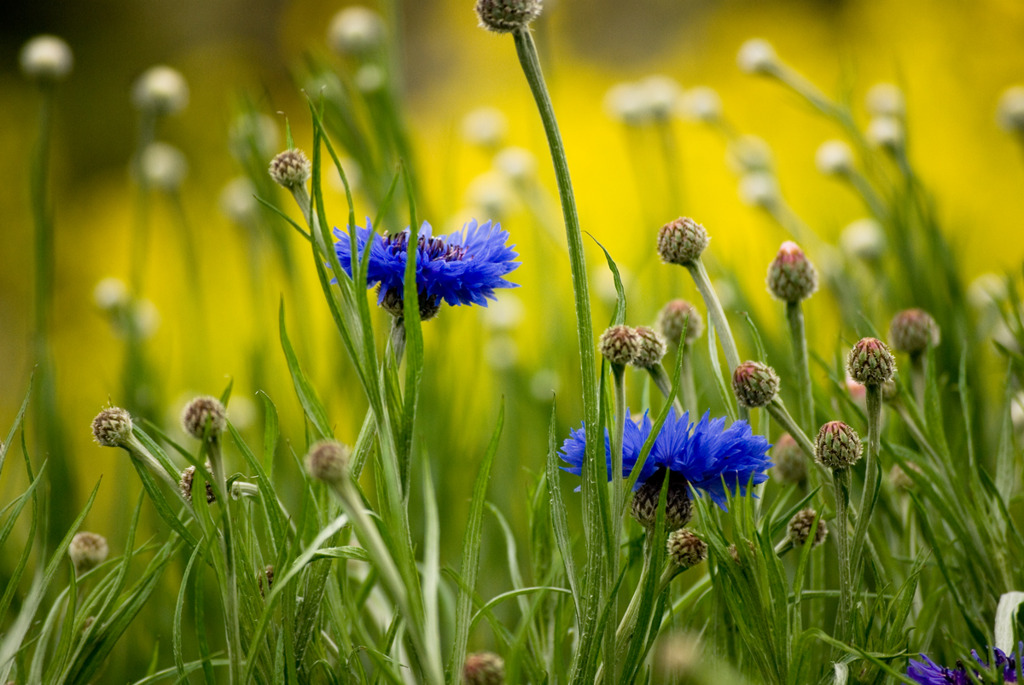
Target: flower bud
484,126
886,133
674,317
505,16
734,552
110,294
759,189
268,574
651,349
627,102
46,59
237,201
87,551
112,427
791,276
1011,109
838,446
686,549
483,668
899,478
863,239
204,413
356,30
885,100
678,507
913,331
662,95
163,166
160,91
619,344
676,657
755,384
870,362
757,56
328,461
682,241
291,168
800,528
790,464
370,79
516,163
746,154
185,484
834,158
702,104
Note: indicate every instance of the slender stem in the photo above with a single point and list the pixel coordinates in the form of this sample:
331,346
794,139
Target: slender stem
872,469
236,660
661,380
398,338
841,483
687,385
618,376
528,59
779,412
718,320
795,317
918,376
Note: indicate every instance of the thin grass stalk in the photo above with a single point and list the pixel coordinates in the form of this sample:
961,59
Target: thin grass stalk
661,380
797,331
687,385
236,659
841,484
872,469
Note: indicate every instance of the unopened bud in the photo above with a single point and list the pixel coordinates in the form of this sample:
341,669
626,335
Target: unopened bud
160,91
1011,109
899,478
913,331
870,362
328,461
676,657
185,484
46,59
676,317
702,104
682,241
483,668
759,189
838,446
204,416
87,551
686,548
791,276
885,100
356,30
885,132
651,349
757,56
755,384
163,166
291,168
485,126
834,157
112,427
505,16
863,239
789,461
800,528
619,344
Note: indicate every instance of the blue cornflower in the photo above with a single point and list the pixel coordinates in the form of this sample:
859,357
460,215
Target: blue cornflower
927,672
706,455
461,268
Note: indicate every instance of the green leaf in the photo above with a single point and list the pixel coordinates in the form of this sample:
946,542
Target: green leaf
312,407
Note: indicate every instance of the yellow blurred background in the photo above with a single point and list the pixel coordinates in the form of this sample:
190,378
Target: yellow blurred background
953,59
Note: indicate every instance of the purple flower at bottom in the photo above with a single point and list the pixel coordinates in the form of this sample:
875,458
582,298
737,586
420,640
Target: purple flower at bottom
927,672
711,457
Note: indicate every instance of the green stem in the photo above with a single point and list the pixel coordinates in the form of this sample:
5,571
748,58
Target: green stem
619,381
661,380
918,377
236,660
779,412
718,320
795,317
841,483
687,385
872,469
398,338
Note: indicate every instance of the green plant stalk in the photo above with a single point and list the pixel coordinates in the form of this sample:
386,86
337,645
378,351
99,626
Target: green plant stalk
661,380
918,376
872,469
841,484
236,660
778,411
718,320
686,382
48,424
795,317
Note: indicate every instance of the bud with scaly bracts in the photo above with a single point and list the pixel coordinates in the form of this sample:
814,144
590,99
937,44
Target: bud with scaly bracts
755,384
682,241
791,276
870,362
838,446
686,548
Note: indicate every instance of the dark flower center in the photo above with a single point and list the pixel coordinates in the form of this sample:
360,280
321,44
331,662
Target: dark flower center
433,248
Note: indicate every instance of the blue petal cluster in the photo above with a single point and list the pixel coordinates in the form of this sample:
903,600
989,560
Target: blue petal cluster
462,268
711,457
927,672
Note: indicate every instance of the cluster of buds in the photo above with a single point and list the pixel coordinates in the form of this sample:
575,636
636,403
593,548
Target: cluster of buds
682,241
642,347
653,99
755,384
